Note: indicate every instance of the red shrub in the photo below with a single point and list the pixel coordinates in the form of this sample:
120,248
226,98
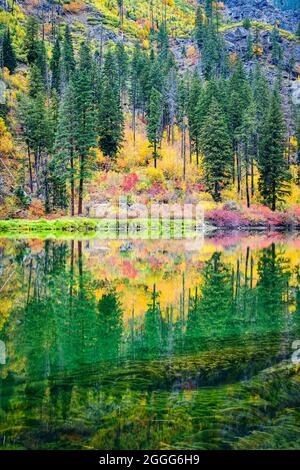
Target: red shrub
129,182
223,218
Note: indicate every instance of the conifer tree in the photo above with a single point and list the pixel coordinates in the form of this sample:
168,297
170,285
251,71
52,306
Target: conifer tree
85,120
274,176
9,59
41,61
122,68
154,122
209,9
247,138
217,151
193,116
250,44
68,60
136,68
182,110
277,53
163,42
199,27
110,115
31,39
63,162
55,66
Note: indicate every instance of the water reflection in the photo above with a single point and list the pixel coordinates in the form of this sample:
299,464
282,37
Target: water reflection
146,346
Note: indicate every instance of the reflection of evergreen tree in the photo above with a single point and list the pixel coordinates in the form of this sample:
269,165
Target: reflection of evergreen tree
212,314
110,326
274,275
152,328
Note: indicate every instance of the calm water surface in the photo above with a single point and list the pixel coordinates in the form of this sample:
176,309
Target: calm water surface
150,344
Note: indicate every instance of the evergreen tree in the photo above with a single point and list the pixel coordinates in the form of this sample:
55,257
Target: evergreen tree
31,39
154,122
136,68
9,59
55,66
247,138
110,115
68,60
163,42
63,162
199,27
214,55
217,150
36,83
274,176
41,61
250,44
277,53
122,67
85,120
182,110
209,9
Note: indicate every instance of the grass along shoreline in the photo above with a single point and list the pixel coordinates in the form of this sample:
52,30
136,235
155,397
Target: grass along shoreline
216,219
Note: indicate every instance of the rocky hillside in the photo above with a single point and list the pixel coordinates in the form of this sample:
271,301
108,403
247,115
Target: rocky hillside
284,13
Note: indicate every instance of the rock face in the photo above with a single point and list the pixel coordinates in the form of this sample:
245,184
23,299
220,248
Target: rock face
265,11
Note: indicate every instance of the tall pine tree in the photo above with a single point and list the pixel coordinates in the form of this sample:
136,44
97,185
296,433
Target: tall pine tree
217,150
274,176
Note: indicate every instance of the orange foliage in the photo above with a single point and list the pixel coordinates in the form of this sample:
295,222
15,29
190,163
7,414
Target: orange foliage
74,7
36,208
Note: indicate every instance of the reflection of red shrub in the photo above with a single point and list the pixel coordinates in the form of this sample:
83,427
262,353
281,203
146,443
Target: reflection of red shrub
130,181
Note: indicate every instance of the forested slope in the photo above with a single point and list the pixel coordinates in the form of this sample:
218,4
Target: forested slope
165,101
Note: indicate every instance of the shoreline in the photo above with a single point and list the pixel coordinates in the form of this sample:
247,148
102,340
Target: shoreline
92,226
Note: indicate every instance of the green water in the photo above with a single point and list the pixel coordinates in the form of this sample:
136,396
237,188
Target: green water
150,344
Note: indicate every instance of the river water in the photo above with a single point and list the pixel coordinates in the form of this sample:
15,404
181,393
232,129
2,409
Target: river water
169,344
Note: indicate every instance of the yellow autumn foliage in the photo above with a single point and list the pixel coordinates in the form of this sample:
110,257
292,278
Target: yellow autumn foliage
6,141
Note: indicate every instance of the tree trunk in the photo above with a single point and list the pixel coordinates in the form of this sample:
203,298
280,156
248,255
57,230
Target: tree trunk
72,186
247,180
184,152
252,178
134,122
155,154
30,169
273,197
238,169
80,189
